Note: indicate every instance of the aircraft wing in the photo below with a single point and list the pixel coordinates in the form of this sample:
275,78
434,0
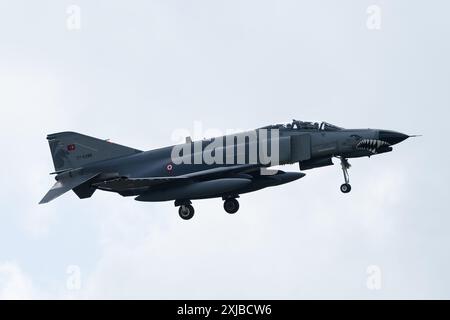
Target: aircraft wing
221,171
122,184
64,185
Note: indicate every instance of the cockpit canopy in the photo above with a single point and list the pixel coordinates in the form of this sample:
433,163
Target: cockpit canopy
307,125
329,127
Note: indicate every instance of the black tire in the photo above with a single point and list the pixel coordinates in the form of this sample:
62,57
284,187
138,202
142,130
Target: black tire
345,188
231,205
186,211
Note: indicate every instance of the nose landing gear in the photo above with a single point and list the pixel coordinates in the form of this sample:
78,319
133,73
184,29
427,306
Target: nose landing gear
346,187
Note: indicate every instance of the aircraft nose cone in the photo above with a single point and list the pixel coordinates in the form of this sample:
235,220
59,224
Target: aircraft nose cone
392,137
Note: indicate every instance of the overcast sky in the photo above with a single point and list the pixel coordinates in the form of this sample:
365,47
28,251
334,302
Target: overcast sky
136,71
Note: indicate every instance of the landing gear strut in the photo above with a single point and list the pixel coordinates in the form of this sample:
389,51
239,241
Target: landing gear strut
231,205
346,187
186,210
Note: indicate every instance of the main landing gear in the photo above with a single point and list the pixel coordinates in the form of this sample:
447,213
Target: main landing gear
231,205
185,210
346,187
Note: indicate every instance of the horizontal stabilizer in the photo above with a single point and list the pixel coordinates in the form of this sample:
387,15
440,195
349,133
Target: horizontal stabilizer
64,185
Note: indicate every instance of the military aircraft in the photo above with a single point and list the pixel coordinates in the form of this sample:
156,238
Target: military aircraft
223,167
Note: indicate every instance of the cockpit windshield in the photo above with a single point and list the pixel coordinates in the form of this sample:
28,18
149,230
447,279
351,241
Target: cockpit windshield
329,127
296,124
306,125
324,126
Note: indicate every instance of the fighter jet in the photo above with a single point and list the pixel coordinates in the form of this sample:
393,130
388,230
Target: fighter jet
222,167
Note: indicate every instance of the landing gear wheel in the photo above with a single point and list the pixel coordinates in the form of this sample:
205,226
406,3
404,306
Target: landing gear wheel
186,211
345,188
231,205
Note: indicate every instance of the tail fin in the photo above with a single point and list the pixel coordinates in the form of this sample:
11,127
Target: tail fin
71,150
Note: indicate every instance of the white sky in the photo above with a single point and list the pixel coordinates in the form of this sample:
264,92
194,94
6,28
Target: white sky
138,70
